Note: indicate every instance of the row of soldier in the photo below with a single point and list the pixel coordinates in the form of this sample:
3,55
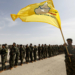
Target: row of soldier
21,52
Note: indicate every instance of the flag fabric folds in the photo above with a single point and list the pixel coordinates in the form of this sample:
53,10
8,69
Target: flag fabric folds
39,12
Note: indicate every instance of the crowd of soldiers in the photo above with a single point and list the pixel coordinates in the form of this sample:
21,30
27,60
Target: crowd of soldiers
28,52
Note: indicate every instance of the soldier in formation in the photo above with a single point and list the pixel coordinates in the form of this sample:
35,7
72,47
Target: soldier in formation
13,51
3,57
21,50
29,53
35,52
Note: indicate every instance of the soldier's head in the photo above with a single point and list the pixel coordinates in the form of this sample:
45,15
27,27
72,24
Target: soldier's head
35,46
69,41
39,44
20,45
42,44
49,44
27,45
14,44
6,45
30,44
45,44
3,46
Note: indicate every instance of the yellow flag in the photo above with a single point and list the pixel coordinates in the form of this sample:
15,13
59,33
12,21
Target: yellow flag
39,12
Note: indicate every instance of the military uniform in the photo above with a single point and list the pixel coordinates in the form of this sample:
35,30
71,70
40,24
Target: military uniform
49,50
70,66
35,50
27,53
13,51
45,49
21,54
57,49
6,52
42,51
31,53
17,55
3,56
39,52
24,51
52,51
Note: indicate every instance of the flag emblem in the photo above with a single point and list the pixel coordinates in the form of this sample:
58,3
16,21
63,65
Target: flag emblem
43,9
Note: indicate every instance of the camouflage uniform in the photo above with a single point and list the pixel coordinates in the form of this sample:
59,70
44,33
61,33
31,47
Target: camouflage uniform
39,52
13,51
17,55
6,53
24,51
35,50
27,53
42,51
31,52
52,50
70,66
21,53
49,50
3,56
45,51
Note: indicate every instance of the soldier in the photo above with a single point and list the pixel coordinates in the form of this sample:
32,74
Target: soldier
27,53
24,51
49,50
52,50
45,47
39,52
57,49
70,66
12,55
21,54
35,50
3,56
31,52
6,51
42,52
17,55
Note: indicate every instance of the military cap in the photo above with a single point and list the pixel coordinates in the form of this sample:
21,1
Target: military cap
3,44
69,39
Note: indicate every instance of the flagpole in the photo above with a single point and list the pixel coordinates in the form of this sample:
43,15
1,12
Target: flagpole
64,42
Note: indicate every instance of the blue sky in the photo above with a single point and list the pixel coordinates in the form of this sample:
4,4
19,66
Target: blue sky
35,32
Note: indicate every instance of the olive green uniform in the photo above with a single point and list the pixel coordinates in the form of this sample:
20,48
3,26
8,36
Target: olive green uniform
70,66
6,54
39,52
13,51
21,54
27,54
3,56
31,53
35,50
49,51
17,56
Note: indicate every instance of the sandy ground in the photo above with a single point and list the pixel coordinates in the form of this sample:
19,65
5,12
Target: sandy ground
50,66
